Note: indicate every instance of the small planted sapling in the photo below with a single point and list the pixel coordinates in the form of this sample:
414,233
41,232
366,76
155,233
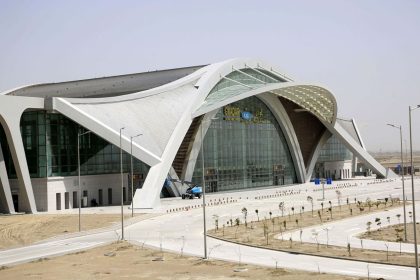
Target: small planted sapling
398,217
368,225
245,213
281,208
311,201
320,216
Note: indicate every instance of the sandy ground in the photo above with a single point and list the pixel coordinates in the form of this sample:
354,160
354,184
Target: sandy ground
392,159
125,261
21,230
390,233
253,234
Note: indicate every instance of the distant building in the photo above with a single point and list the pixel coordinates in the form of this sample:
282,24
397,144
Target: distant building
260,129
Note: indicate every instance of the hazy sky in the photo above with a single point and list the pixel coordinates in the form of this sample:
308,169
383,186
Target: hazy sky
366,52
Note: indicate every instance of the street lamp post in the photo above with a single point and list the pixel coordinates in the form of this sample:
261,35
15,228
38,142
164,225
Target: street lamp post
402,177
204,192
132,179
122,187
412,191
78,174
204,186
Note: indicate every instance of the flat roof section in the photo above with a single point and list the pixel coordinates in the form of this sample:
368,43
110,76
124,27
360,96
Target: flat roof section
106,86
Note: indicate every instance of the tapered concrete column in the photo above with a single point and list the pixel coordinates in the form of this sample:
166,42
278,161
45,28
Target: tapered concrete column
26,195
6,201
11,110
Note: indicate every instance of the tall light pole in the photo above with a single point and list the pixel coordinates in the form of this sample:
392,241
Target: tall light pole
204,192
122,187
402,174
132,179
412,191
78,174
204,185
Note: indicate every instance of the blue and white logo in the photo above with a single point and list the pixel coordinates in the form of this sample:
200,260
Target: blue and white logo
246,115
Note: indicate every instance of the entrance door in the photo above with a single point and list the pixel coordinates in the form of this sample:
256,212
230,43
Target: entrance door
66,200
109,196
75,204
58,201
100,196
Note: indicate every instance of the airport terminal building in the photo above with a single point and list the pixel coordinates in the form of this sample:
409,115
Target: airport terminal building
251,124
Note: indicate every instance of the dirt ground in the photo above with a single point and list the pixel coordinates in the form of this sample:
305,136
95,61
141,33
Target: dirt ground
21,230
125,261
257,234
392,159
393,233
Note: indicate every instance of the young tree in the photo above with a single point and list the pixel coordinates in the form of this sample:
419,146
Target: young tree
216,222
270,213
245,213
368,224
237,223
399,239
378,222
311,201
315,234
369,203
300,235
338,193
265,228
331,214
293,210
320,216
256,212
281,208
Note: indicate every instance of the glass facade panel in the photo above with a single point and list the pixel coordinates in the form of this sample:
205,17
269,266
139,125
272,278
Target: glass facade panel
334,150
245,148
50,142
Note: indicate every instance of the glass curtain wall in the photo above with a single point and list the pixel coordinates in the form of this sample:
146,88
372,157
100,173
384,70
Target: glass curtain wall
50,143
244,148
334,150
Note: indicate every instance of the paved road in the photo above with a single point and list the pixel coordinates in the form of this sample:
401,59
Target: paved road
173,230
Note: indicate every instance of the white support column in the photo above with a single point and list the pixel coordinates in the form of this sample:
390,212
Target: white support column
149,196
26,195
12,108
5,191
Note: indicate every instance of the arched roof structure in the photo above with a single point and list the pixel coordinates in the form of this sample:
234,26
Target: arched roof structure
164,111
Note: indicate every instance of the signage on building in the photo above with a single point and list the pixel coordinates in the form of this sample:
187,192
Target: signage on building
233,113
246,115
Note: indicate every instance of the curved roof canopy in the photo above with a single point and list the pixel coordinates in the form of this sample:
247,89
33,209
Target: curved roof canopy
312,98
